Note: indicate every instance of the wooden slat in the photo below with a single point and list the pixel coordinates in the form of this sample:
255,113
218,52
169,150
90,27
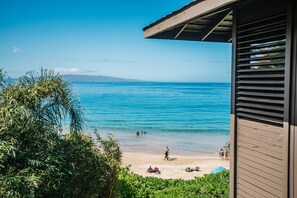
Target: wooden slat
281,82
265,39
262,52
261,64
273,146
263,45
260,21
268,182
262,76
264,31
261,70
247,185
261,173
247,192
261,88
259,112
261,144
276,122
246,104
255,165
259,184
267,57
246,152
263,133
261,94
256,159
279,22
275,141
241,196
261,150
260,100
260,126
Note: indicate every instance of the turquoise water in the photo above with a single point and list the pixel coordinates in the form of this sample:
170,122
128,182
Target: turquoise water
190,118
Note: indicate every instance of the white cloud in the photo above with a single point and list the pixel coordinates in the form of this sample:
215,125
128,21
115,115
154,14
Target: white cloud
67,70
16,50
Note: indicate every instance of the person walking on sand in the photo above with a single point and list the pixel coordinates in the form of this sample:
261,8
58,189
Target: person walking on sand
221,153
166,153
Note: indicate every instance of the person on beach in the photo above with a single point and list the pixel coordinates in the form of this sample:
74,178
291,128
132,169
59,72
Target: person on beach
221,153
137,133
226,153
156,170
166,153
150,170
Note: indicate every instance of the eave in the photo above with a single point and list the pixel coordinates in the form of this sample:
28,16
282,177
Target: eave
204,20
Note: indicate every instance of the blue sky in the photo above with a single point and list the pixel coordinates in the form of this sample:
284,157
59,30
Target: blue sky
103,38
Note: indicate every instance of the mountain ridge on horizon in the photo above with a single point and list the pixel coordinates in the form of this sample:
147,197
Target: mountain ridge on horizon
101,78
95,78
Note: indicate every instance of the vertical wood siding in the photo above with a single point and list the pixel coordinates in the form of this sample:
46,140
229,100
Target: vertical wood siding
260,158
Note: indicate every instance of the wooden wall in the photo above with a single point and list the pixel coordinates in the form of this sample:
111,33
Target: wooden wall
260,160
264,156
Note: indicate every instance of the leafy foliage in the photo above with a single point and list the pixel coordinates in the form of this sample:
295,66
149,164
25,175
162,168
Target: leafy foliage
2,75
131,185
36,160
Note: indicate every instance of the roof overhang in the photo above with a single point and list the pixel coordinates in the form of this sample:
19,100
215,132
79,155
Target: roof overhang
201,20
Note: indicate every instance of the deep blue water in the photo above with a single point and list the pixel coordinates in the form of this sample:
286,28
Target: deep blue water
188,116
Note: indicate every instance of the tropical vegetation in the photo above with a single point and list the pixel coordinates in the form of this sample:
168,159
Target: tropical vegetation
38,159
131,185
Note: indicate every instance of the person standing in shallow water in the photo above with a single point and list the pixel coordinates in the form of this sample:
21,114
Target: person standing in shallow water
166,153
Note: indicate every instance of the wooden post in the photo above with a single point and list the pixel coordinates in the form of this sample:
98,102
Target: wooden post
233,126
293,116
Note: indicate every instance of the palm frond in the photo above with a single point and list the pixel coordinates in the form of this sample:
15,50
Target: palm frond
55,100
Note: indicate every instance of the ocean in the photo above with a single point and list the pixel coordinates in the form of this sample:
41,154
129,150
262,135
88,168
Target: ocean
190,118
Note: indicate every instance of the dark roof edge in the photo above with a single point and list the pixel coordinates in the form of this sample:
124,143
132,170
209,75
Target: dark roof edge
172,14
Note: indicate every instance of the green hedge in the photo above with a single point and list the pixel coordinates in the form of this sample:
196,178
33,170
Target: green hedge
131,185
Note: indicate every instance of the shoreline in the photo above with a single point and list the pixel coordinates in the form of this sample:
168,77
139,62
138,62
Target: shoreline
174,168
189,153
183,144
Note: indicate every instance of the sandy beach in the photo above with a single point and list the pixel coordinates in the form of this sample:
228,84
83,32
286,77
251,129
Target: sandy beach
174,168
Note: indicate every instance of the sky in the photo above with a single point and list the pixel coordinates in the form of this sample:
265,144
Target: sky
103,37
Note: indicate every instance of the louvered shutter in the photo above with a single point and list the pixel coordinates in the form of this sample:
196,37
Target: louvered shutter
260,70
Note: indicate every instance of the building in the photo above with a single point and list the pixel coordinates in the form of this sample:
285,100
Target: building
263,34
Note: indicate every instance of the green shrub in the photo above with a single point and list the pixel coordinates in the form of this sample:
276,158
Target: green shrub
131,185
36,160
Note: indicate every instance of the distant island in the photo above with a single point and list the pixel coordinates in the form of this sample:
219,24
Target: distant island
91,78
86,78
